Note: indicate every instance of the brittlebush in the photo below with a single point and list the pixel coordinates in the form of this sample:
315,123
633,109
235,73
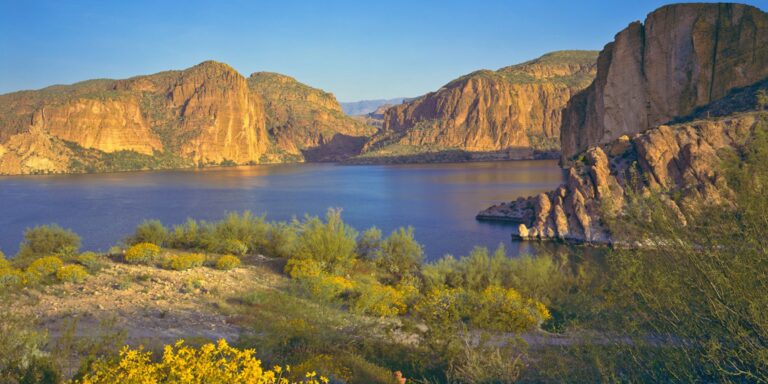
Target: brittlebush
210,364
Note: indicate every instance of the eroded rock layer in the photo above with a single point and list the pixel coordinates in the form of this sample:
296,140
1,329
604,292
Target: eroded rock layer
683,56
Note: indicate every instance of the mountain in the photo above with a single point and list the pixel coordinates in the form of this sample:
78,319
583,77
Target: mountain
364,107
305,122
683,65
683,56
205,115
516,107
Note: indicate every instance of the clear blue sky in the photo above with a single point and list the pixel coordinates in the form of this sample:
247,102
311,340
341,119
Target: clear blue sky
355,49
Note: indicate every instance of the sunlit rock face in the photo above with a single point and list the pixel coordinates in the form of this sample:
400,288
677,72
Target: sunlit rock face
208,114
515,107
682,57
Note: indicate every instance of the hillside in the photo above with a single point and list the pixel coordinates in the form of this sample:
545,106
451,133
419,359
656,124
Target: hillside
513,108
205,115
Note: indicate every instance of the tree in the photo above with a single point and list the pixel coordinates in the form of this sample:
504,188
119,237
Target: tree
400,254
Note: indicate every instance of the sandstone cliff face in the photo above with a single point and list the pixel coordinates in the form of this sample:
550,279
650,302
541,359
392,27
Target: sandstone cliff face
680,162
683,56
205,115
305,122
514,107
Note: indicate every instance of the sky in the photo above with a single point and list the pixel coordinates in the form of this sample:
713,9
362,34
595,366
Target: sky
355,49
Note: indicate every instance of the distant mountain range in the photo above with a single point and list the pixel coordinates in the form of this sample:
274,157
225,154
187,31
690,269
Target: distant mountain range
364,107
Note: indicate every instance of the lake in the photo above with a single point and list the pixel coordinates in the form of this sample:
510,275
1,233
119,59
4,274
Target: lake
439,200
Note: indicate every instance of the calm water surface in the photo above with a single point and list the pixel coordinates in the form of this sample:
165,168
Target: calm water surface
439,200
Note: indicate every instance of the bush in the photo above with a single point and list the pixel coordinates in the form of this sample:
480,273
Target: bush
369,244
150,231
46,240
91,261
331,243
231,246
11,277
71,274
376,299
281,239
400,255
44,267
326,288
227,262
302,268
505,310
184,261
142,253
211,363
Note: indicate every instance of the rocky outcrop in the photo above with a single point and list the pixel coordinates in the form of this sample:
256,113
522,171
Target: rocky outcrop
682,57
205,115
307,123
515,107
678,162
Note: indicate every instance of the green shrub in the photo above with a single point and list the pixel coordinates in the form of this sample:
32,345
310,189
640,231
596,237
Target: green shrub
227,262
281,239
46,240
184,261
142,253
91,261
400,255
369,244
44,267
376,299
230,246
71,274
150,231
331,243
11,277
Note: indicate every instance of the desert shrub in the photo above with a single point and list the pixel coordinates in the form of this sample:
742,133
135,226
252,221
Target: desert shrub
302,268
505,310
142,253
185,236
484,362
150,231
22,358
376,299
92,261
71,274
325,288
46,240
281,239
11,277
231,246
346,368
184,261
369,244
331,243
246,228
44,267
227,262
211,363
400,255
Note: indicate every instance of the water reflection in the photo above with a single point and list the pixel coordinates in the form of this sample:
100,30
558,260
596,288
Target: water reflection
438,200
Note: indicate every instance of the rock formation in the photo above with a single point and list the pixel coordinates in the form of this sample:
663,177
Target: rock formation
683,56
515,107
679,162
205,115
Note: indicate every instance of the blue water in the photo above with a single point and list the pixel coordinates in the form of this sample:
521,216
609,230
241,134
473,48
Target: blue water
439,200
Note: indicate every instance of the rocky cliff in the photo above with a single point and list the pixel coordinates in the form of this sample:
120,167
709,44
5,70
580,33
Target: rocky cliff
683,56
305,122
205,115
680,163
514,107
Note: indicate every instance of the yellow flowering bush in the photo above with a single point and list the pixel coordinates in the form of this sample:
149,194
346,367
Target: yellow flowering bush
142,253
300,268
210,364
325,287
374,298
44,266
71,274
184,261
504,309
227,262
440,306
